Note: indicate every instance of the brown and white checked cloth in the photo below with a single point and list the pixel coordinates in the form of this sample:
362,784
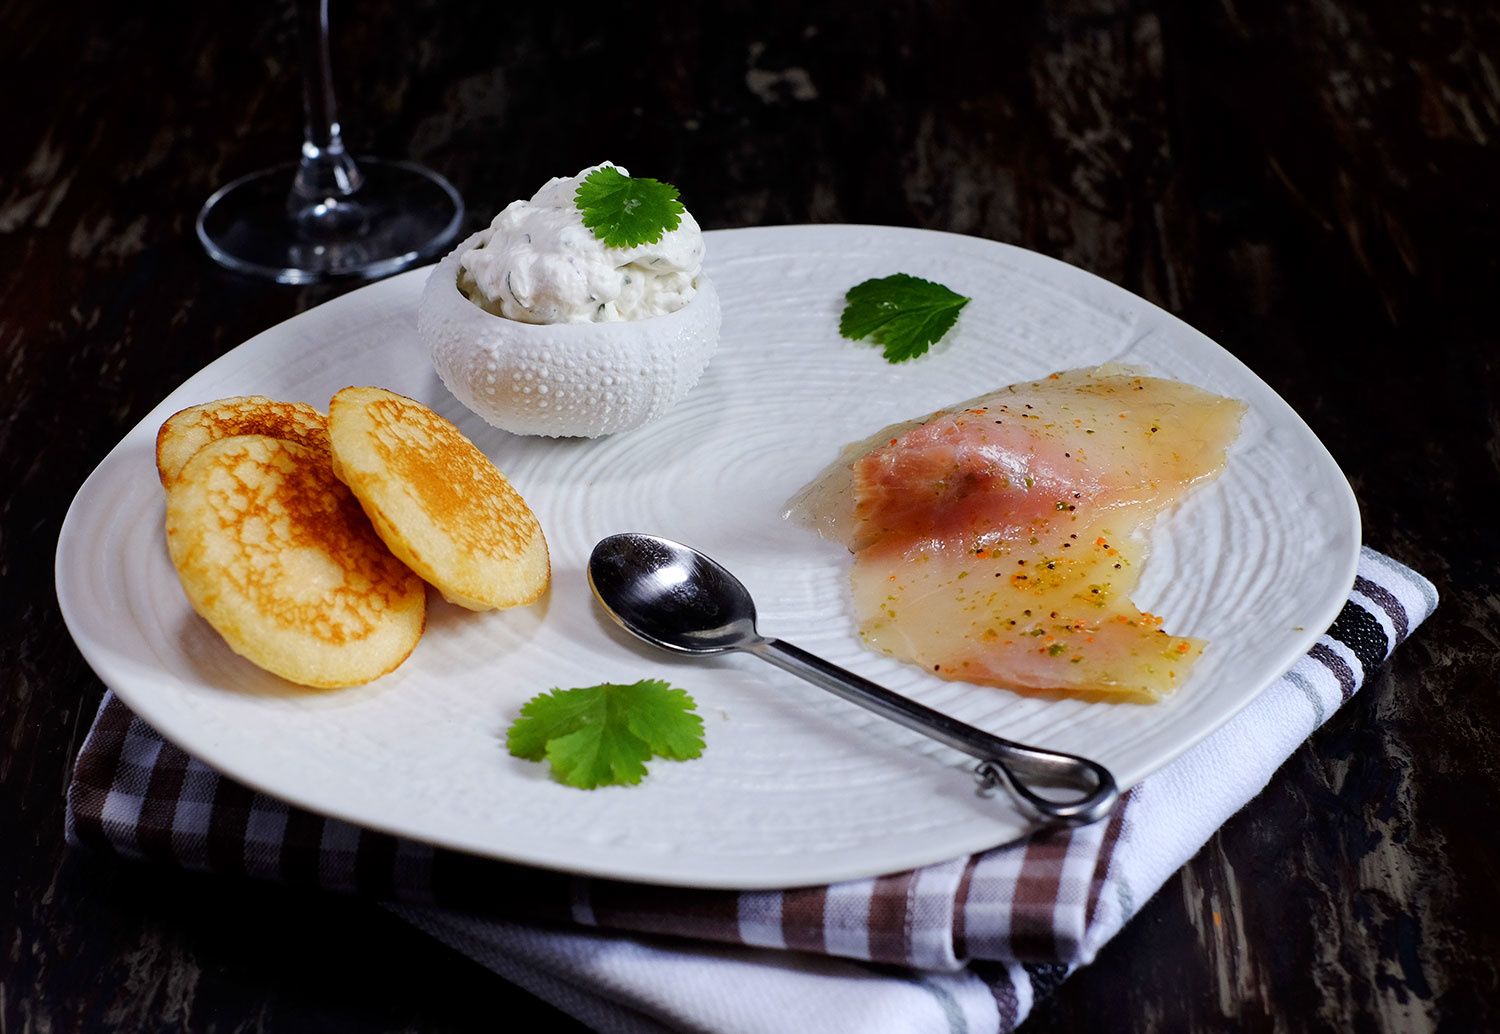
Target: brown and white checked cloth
1007,923
140,796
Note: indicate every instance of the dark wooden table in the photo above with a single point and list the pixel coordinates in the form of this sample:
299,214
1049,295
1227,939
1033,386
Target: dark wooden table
1313,187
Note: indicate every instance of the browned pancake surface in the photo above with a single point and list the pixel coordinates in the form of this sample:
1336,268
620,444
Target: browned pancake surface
274,551
189,430
437,501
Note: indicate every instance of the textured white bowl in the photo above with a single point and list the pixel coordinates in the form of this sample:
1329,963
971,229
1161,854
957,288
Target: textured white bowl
564,379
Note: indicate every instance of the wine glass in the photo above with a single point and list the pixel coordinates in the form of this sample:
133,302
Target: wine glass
327,216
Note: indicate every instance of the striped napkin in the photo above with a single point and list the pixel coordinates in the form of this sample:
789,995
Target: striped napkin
965,946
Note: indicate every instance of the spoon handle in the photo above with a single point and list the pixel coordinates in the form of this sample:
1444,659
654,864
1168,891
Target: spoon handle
1001,762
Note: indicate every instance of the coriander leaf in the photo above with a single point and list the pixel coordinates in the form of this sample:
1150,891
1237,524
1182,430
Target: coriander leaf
601,754
603,735
627,211
664,718
905,314
550,715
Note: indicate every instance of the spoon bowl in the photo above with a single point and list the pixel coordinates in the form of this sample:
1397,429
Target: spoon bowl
671,595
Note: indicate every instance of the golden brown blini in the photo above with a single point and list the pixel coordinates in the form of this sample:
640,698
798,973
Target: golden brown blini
437,501
276,554
187,431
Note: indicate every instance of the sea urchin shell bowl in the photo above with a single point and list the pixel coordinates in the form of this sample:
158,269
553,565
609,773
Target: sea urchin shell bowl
564,379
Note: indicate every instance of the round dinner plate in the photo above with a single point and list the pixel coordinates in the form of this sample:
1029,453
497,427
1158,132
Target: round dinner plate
795,787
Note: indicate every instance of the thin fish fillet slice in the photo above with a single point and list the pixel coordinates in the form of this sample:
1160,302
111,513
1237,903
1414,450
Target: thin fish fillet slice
998,541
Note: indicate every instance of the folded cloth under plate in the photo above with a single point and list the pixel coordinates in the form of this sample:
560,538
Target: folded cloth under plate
966,945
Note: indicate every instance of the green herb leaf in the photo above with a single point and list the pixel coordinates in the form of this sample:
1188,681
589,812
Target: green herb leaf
904,313
626,211
604,735
548,716
601,754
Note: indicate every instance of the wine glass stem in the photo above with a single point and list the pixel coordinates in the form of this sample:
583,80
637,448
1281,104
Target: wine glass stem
327,177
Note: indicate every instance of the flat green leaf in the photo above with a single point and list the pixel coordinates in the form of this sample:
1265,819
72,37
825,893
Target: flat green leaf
664,718
602,754
604,735
550,715
627,211
903,313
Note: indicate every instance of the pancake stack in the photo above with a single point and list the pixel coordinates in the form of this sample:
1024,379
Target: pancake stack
300,539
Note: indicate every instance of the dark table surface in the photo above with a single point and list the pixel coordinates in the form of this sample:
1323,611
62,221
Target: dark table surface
1314,187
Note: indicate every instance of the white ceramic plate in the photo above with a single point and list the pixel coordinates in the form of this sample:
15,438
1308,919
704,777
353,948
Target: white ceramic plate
796,787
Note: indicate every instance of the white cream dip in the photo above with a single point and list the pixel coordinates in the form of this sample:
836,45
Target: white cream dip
538,263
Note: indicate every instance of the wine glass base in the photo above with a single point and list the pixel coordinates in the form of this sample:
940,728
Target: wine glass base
403,214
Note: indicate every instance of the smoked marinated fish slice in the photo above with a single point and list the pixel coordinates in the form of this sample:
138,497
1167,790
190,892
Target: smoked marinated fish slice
998,541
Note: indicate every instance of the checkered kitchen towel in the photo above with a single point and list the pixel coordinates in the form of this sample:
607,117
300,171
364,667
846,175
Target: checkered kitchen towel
968,944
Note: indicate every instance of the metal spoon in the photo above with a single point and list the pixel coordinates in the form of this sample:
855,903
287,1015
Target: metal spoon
674,597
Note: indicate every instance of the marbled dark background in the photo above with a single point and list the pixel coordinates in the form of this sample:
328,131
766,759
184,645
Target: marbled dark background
1313,184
